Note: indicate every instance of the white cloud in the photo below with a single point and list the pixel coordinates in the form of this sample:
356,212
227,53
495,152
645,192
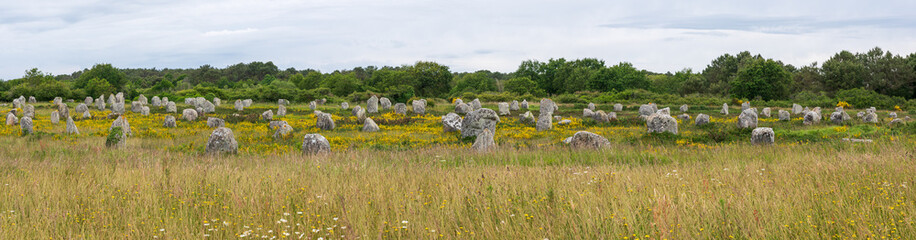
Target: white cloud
65,36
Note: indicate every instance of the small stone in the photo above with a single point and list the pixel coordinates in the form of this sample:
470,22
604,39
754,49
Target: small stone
143,111
659,123
344,105
683,117
283,130
748,118
702,119
812,117
784,115
796,109
545,122
524,104
282,102
419,106
215,122
484,141
370,126
476,104
526,118
591,106
400,108
87,115
315,143
647,109
870,117
766,113
684,108
169,122
451,122
763,135
189,114
618,107
361,114
267,115
55,117
587,113
477,121
217,102
892,115
896,121
281,110
172,108
11,119
82,107
239,105
222,140
462,108
503,108
564,122
71,127
324,121
724,109
386,104
514,105
745,106
313,105
583,139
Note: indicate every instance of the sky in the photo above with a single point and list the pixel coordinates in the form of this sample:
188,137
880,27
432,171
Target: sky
63,36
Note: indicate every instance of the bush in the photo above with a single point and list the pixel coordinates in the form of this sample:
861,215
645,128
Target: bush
861,98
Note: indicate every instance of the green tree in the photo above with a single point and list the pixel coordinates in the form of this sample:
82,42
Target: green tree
767,79
342,84
430,79
310,81
479,81
520,85
115,77
98,87
843,71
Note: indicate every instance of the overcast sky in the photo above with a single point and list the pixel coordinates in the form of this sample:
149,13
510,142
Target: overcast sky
68,35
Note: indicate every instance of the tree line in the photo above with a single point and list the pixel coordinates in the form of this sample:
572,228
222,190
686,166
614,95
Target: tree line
739,76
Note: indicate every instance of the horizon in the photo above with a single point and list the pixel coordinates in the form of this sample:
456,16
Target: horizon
61,37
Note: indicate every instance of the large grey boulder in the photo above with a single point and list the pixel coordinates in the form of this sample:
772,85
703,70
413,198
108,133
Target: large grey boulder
591,106
477,121
273,125
647,109
360,114
766,112
587,113
386,104
29,111
484,141
11,119
25,124
812,117
247,102
475,105
57,100
870,117
207,106
135,106
784,115
82,107
583,139
87,115
797,109
239,105
169,122
547,107
451,122
724,109
564,122
281,110
32,100
71,127
514,105
313,105
702,119
282,130
172,108
684,108
315,143
267,115
400,108
370,126
840,116
215,122
143,111
457,101
344,105
222,140
117,107
65,111
99,104
281,102
545,122
763,135
524,104
462,108
372,104
143,100
892,115
748,118
503,108
526,118
600,116
659,123
745,105
55,117
683,117
618,107
324,121
419,106
896,121
665,111
189,114
123,124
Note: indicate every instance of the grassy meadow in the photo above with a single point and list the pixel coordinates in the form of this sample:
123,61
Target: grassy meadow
411,181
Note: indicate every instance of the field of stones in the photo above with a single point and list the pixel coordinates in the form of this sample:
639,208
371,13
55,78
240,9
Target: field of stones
435,168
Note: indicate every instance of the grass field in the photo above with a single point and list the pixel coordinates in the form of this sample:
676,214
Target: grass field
411,181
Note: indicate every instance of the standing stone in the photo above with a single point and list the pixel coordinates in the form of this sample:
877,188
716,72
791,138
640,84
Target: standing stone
123,124
457,101
57,100
896,121
213,122
169,122
55,117
600,116
477,120
88,101
361,114
748,118
222,140
684,108
239,106
143,111
659,123
514,105
386,104
587,113
283,130
837,117
87,115
344,105
547,106
315,143
117,137
142,99
525,104
646,110
763,135
462,108
189,115
683,117
370,126
281,102
724,109
247,102
503,108
82,107
99,104
583,139
32,99
111,99
484,141
870,117
117,107
591,106
281,110
812,118
766,113
860,115
796,109
171,107
564,122
207,106
11,119
451,122
324,121
419,106
26,125
665,111
267,115
892,115
745,105
134,106
702,119
611,116
217,102
784,115
372,104
313,105
476,104
63,109
29,111
400,108
545,121
526,118
71,127
273,125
